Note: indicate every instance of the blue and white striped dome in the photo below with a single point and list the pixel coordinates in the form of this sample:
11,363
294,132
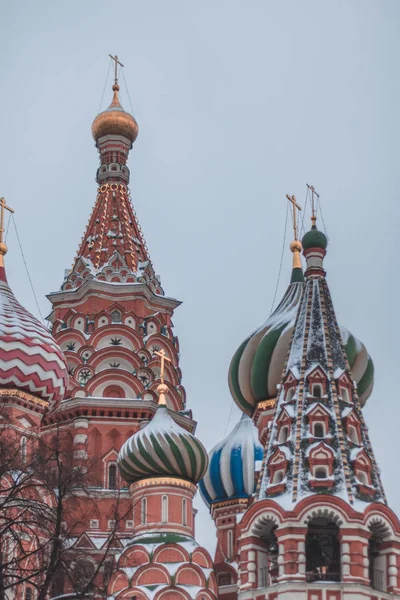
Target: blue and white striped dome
232,463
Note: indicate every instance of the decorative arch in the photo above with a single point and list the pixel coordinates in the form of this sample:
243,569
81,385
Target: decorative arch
201,557
169,553
128,382
190,575
137,555
174,593
100,337
151,574
115,353
132,591
119,581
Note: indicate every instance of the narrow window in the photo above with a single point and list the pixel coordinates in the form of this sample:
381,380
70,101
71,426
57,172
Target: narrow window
320,473
112,476
289,395
230,543
283,434
317,390
184,511
344,392
319,430
362,476
164,509
28,594
278,477
115,316
23,453
353,435
143,516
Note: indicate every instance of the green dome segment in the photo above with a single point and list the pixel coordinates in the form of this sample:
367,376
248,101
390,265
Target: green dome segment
257,365
361,365
162,449
314,239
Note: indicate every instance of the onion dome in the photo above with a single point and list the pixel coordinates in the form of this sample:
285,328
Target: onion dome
162,449
115,121
257,365
314,239
361,365
30,359
232,466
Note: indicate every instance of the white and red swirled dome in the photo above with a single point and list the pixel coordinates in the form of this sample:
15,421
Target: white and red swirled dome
30,359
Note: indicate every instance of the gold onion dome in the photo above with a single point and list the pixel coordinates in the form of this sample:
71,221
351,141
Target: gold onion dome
115,121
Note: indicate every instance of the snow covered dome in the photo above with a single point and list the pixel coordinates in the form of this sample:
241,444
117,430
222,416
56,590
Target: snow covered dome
257,365
30,359
162,449
232,466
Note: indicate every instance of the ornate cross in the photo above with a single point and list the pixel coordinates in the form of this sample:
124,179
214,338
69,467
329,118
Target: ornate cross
161,354
313,193
293,200
116,60
3,206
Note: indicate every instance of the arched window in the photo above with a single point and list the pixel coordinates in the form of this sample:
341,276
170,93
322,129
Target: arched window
317,390
278,477
143,511
290,394
115,316
184,511
377,561
112,476
230,543
283,434
353,434
322,551
28,594
321,473
164,509
362,476
344,392
319,430
22,445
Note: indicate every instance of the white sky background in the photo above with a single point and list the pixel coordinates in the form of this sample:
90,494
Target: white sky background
238,103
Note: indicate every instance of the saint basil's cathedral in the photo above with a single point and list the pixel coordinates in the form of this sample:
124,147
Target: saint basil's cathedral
294,490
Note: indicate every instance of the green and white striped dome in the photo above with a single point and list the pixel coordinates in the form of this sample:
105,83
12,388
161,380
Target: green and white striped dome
162,449
257,365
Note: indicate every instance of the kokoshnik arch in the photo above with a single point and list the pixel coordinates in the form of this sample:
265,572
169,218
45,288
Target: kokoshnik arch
294,489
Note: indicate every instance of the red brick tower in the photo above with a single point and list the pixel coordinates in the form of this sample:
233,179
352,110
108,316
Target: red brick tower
113,320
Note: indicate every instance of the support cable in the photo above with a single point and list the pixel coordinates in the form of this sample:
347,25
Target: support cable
229,420
8,227
105,85
26,268
302,230
282,255
322,218
127,92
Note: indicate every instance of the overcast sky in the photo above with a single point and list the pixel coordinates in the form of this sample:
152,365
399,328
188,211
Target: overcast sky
238,103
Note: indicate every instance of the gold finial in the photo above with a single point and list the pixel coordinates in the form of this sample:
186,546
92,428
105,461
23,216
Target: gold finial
295,246
116,60
3,245
162,388
313,194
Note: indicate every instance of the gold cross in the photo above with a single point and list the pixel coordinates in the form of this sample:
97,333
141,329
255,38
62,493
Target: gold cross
293,200
313,193
161,354
3,206
115,58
